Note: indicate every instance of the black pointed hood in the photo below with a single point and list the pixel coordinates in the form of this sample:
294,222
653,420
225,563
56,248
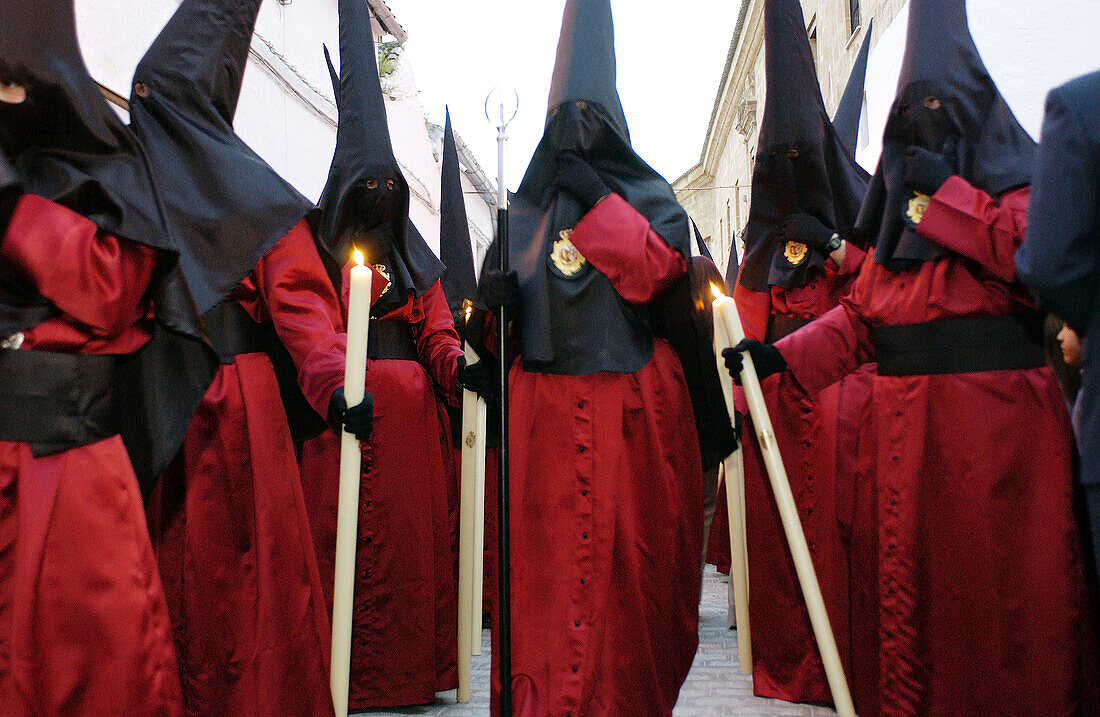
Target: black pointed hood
586,69
946,102
733,265
64,141
584,116
367,197
848,112
455,249
226,204
801,164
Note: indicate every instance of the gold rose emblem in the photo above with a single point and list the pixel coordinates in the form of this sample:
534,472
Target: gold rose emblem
566,256
381,269
796,252
917,206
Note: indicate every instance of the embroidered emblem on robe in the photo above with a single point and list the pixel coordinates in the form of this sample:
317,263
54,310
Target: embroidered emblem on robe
917,206
381,269
566,256
795,252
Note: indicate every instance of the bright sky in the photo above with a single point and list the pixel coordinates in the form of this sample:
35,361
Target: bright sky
670,59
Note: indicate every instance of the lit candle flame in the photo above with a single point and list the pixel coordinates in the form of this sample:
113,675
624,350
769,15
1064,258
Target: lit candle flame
359,258
469,312
718,293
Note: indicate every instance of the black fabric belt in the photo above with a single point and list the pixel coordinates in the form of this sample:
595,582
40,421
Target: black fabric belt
391,340
993,343
233,331
780,326
56,401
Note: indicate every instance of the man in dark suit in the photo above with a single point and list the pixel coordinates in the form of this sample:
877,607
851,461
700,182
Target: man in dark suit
1060,260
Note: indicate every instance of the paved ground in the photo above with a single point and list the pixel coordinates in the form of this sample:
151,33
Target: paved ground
714,688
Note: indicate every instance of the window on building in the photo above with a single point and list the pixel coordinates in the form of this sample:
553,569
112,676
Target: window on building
853,16
737,209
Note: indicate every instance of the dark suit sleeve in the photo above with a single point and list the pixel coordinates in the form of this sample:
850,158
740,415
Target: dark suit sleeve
1060,260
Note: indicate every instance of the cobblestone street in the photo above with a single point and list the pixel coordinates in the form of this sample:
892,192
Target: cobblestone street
713,689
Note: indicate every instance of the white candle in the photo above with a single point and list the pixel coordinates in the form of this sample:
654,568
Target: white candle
480,415
471,529
725,308
734,470
347,520
466,544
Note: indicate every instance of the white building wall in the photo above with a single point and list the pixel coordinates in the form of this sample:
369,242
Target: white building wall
286,112
480,216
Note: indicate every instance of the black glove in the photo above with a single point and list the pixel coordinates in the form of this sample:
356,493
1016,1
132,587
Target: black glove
927,171
499,290
765,357
357,420
806,230
476,378
576,177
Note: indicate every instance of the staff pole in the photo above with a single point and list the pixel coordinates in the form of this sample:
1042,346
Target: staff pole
503,641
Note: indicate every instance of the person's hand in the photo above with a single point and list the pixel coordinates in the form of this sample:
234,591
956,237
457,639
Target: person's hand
805,229
499,290
577,178
765,357
927,171
357,420
476,377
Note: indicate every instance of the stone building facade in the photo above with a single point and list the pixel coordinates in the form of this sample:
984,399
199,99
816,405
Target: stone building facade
1029,48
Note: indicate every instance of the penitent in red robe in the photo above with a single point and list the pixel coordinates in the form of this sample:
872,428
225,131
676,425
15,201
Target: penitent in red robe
981,579
606,511
404,632
229,521
84,629
786,661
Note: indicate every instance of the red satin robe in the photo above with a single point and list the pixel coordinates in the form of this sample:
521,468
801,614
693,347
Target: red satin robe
786,662
981,578
84,629
404,639
606,511
229,521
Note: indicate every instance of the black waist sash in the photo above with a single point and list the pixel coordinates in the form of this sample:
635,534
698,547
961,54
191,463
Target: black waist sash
391,340
989,343
233,331
56,401
780,326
